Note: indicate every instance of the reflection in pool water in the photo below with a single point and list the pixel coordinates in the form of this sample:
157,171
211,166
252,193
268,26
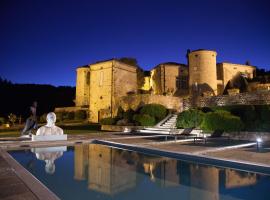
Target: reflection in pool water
49,155
100,172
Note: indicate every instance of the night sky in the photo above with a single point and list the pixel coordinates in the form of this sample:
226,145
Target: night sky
44,41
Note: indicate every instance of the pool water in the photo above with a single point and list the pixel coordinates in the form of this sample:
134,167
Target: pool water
92,171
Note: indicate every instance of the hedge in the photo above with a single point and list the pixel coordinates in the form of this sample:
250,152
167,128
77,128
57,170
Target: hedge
190,118
80,115
157,111
2,120
221,121
254,117
144,119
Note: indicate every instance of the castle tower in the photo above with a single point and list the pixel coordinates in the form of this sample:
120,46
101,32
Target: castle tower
82,86
202,72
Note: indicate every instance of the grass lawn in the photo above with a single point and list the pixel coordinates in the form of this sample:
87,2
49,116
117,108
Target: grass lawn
68,129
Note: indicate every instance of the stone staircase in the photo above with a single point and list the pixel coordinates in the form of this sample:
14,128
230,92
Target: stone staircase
163,127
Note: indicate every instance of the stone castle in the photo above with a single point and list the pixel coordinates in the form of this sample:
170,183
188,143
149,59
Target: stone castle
101,86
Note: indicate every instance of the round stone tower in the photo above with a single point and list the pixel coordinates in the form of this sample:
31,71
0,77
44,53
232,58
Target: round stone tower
202,72
83,86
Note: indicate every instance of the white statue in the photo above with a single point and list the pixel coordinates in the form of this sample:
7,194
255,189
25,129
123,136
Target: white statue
50,128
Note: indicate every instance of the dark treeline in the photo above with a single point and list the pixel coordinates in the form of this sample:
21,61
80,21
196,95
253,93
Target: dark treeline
17,98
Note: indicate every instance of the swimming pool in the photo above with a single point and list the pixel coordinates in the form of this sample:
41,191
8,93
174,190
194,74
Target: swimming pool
94,171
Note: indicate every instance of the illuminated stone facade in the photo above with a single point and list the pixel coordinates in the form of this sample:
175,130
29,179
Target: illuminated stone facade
202,71
101,86
109,81
170,79
82,86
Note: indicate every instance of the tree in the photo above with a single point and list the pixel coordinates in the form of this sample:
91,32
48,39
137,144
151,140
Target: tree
129,61
247,62
12,118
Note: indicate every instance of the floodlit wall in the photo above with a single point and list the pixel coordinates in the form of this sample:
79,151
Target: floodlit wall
202,72
82,86
109,81
227,71
165,79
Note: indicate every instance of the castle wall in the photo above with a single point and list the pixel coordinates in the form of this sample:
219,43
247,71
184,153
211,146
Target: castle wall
82,86
227,71
100,89
202,72
146,86
166,77
155,81
109,81
124,83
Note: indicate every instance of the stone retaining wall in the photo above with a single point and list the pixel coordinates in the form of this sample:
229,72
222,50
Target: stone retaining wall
248,98
136,101
69,109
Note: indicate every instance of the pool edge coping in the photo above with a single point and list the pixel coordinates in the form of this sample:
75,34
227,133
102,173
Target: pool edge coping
36,187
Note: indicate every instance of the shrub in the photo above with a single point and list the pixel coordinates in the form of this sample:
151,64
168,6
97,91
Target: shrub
80,115
190,118
128,114
264,116
108,121
253,117
144,119
70,115
120,112
2,120
154,110
221,121
12,118
59,116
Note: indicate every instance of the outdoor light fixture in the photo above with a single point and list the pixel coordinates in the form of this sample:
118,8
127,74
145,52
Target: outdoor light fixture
259,141
126,130
204,137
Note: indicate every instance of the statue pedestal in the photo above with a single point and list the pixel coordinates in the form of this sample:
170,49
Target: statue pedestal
49,137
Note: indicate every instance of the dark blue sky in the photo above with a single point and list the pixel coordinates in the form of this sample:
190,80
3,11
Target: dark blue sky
44,41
